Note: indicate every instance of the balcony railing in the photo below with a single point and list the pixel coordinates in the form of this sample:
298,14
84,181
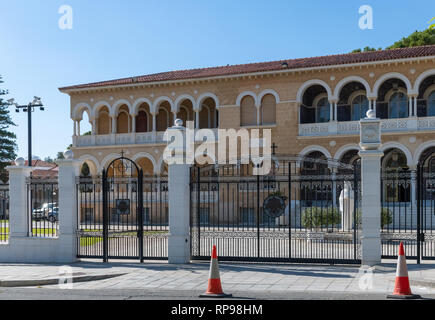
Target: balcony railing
119,139
125,139
353,127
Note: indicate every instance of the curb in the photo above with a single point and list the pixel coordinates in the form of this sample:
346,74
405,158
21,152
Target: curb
54,281
423,283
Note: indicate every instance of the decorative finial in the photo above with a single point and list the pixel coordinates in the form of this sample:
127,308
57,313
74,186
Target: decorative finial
371,114
20,162
68,154
178,123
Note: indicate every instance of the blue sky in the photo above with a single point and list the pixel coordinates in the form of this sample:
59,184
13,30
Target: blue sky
113,38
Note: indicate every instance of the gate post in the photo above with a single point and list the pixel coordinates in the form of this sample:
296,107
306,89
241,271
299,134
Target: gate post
179,197
18,204
371,189
68,208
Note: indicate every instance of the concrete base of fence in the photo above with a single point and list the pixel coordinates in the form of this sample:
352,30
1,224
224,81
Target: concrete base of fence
37,250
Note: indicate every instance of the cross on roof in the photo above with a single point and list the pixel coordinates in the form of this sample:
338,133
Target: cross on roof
274,147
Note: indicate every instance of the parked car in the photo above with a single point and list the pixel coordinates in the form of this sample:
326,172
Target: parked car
42,213
53,214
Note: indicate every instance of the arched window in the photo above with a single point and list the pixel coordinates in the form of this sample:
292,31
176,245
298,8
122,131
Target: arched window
248,112
104,122
322,110
398,106
431,105
162,120
142,121
360,106
122,122
268,109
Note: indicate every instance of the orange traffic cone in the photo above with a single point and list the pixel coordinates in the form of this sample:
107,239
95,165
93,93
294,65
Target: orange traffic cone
214,289
402,289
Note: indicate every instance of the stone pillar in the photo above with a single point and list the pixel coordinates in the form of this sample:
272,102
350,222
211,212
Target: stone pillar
154,122
179,202
371,189
94,127
196,119
75,128
113,124
78,128
19,217
68,214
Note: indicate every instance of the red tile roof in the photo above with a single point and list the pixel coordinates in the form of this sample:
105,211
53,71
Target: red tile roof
43,169
339,59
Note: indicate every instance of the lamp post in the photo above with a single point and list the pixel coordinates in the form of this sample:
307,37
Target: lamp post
29,108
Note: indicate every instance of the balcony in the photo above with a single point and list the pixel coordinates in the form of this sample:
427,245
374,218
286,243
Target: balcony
125,139
353,127
119,139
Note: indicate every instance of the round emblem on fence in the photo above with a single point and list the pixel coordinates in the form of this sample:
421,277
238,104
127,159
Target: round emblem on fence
274,205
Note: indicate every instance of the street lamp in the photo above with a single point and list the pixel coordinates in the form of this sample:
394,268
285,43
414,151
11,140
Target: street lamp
29,108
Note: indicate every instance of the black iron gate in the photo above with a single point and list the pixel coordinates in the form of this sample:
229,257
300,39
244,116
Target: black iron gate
426,209
304,210
123,215
408,211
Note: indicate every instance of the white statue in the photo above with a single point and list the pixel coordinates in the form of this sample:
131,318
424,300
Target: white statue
347,207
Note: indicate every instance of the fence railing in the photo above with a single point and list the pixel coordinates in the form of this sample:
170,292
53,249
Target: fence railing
43,195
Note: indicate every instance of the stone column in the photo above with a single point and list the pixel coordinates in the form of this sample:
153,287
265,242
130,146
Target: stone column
113,124
154,122
371,189
94,126
179,200
75,128
68,208
19,211
78,128
196,119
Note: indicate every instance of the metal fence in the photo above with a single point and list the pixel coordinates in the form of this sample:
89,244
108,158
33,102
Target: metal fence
399,214
4,212
43,207
290,215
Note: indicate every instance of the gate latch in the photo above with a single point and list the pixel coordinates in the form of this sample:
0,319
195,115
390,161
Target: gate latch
422,237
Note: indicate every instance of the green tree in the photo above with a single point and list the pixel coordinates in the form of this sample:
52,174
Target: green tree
366,49
8,145
432,26
418,38
60,156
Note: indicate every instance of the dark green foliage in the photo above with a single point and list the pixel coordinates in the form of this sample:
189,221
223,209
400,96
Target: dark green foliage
366,49
386,217
316,217
8,145
418,38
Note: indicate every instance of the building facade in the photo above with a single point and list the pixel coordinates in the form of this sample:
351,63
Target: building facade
312,105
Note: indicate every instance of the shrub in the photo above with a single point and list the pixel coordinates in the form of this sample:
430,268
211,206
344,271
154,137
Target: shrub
386,217
316,217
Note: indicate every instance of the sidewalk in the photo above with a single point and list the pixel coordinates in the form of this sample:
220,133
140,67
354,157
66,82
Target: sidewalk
235,277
